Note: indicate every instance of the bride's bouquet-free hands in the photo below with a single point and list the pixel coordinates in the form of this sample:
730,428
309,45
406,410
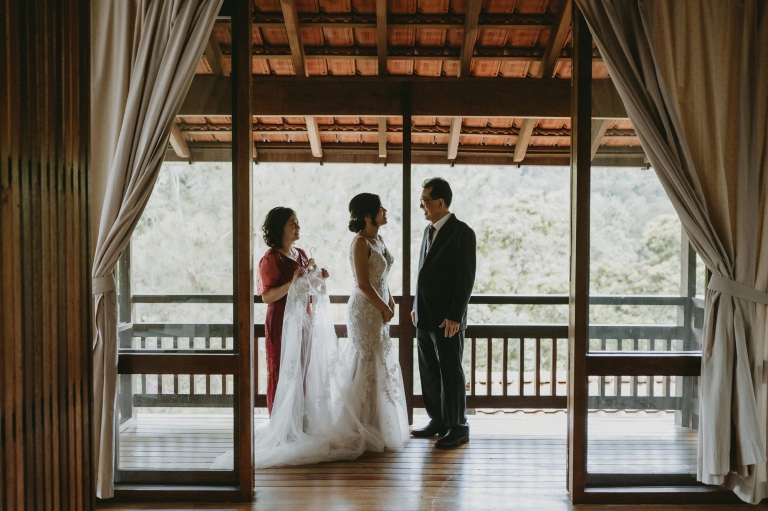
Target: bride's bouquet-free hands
387,314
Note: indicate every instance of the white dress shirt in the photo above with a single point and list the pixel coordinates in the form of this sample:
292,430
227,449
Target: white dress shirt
437,225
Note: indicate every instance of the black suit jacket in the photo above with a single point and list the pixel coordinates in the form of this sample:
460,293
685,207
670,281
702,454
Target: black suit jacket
446,276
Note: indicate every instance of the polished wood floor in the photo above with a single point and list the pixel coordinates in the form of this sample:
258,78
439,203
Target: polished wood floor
526,450
514,461
371,500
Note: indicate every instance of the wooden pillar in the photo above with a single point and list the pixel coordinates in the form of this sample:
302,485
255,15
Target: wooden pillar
45,285
578,324
124,340
242,203
684,388
406,305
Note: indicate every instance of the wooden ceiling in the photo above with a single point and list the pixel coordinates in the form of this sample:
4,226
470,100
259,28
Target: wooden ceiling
496,68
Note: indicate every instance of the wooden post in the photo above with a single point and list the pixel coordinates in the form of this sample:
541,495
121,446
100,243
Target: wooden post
124,294
406,304
242,204
685,318
578,324
124,339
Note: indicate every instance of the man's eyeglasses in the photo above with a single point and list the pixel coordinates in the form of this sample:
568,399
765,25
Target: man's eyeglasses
424,201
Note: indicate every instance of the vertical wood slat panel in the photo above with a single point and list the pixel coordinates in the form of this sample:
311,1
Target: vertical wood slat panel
44,247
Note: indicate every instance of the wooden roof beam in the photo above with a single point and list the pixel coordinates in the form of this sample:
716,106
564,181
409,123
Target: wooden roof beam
548,62
291,17
599,127
422,153
314,137
178,143
470,36
381,35
382,137
214,57
453,138
210,96
362,129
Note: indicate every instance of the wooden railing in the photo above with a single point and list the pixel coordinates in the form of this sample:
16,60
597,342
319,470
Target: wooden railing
502,377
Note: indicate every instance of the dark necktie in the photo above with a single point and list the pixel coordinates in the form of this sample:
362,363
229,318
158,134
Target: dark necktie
430,236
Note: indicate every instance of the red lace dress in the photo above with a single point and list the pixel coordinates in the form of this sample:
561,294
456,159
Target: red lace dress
275,269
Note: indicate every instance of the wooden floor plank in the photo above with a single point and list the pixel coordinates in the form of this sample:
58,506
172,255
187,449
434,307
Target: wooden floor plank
520,454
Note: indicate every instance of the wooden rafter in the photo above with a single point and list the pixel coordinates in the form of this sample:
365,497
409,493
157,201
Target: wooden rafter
335,128
548,62
450,20
423,153
381,35
290,14
382,137
213,56
470,36
178,143
599,127
453,138
414,53
314,137
556,41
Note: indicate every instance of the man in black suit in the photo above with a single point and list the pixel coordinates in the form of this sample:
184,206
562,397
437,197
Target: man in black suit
446,277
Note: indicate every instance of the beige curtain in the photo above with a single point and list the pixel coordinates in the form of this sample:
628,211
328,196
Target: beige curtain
692,77
163,40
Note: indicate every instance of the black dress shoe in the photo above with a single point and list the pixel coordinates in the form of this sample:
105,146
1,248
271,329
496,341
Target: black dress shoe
429,430
454,438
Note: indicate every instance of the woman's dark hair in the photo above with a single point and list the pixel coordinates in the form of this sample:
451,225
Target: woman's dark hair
274,225
363,205
440,190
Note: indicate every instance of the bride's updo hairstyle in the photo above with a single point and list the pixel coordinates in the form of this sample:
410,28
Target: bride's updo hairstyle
274,226
363,205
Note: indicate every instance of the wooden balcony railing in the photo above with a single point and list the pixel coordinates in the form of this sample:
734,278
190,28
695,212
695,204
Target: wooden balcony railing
517,366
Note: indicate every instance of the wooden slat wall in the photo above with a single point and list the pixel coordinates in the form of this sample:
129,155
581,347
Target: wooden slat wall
45,439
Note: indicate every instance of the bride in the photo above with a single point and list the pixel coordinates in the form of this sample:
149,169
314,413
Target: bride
333,403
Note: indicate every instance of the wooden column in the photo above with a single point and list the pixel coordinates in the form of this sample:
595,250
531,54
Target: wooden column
406,305
684,416
578,324
242,203
45,285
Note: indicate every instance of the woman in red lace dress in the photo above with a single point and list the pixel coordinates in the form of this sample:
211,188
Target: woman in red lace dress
280,265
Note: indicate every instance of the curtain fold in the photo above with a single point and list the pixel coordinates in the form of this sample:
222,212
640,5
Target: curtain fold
168,40
690,74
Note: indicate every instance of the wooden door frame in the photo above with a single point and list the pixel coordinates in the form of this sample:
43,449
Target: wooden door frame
240,362
582,364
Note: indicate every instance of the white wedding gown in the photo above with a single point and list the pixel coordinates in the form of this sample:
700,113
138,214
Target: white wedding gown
376,384
333,404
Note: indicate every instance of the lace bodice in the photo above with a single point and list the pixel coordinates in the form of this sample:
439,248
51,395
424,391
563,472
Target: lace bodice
379,264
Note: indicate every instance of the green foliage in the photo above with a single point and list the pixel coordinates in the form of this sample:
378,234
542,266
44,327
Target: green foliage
183,242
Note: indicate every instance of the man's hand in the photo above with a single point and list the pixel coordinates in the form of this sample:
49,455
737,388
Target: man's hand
451,327
413,317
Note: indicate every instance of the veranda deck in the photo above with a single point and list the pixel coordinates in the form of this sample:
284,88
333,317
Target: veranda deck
525,451
513,461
